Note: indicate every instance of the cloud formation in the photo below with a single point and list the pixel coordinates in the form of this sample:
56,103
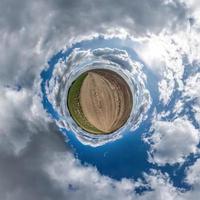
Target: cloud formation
168,141
39,28
35,161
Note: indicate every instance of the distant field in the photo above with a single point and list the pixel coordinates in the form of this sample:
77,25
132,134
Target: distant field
106,100
74,106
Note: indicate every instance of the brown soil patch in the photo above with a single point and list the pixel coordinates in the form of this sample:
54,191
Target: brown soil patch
105,99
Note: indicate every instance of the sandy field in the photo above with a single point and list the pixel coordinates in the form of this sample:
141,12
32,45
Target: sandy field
105,100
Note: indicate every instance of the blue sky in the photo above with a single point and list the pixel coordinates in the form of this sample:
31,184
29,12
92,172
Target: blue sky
128,156
42,157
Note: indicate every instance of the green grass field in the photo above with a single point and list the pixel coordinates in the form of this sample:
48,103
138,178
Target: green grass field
74,106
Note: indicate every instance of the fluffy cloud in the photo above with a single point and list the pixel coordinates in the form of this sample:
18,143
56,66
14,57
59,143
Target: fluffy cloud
22,175
173,141
194,180
192,87
192,92
193,173
38,28
35,163
20,117
86,182
47,170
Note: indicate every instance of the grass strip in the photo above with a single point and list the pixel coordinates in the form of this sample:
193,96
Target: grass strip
73,103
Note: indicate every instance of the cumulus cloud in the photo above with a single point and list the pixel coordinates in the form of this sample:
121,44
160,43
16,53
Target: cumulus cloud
192,87
35,162
193,173
20,117
67,69
158,185
22,28
86,182
23,176
192,177
173,141
192,92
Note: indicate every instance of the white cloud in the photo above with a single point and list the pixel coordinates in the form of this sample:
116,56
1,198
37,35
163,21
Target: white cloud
192,92
173,141
196,110
20,115
30,32
161,186
163,54
192,87
193,173
100,187
85,182
192,178
178,107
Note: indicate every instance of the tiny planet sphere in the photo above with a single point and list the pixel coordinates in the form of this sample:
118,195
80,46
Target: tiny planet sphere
100,101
